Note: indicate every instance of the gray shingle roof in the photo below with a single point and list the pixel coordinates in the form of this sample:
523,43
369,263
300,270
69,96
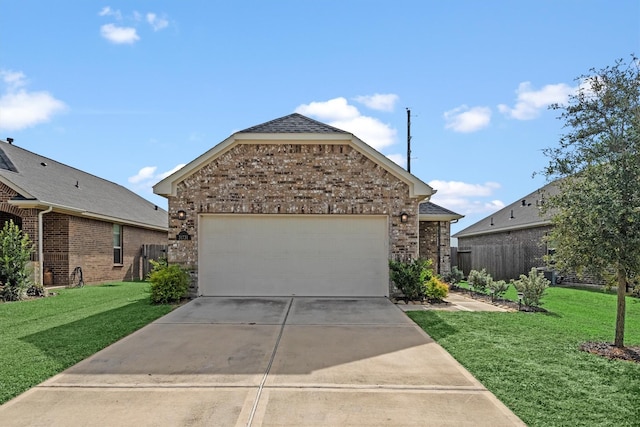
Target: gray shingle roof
430,208
44,180
524,213
293,123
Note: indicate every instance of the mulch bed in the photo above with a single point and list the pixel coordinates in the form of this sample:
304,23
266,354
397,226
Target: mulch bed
630,354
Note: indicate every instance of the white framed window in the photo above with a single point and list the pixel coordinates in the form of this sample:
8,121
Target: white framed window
117,244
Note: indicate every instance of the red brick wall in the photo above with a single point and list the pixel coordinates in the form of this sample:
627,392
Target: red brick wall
56,246
91,248
292,179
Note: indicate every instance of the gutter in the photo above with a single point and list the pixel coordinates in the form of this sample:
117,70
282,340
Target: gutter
40,243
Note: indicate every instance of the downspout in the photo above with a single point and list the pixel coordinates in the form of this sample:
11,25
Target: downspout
40,243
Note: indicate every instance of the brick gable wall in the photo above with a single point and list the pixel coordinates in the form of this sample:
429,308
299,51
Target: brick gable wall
291,179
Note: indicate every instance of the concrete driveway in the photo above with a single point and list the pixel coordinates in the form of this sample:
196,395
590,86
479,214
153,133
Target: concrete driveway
266,362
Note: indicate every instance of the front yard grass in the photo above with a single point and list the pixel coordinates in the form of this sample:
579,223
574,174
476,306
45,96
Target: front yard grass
42,337
532,363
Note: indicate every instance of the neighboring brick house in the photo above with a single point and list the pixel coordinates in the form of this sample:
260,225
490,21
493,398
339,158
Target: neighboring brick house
86,221
509,242
292,207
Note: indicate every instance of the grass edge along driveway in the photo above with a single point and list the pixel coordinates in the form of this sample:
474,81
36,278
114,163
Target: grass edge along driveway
42,337
532,363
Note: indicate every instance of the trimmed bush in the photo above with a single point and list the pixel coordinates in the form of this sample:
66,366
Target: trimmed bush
168,283
435,289
453,277
410,277
479,279
532,287
498,288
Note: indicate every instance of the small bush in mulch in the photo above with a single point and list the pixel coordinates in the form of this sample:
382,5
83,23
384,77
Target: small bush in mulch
630,354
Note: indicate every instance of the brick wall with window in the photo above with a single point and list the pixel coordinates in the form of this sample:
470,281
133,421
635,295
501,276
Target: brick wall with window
91,247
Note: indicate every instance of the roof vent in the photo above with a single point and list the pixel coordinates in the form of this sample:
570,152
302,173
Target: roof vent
43,164
10,140
77,184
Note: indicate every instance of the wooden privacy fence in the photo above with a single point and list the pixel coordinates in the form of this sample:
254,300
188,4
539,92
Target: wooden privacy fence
148,253
503,262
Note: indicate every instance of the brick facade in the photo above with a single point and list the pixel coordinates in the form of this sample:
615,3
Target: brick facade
435,244
292,178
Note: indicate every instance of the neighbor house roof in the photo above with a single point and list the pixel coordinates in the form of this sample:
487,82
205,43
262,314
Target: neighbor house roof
42,183
429,211
521,214
298,129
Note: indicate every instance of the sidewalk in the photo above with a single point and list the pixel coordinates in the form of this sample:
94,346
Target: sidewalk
453,302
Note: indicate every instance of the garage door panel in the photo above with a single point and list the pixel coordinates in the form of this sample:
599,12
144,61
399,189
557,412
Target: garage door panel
311,255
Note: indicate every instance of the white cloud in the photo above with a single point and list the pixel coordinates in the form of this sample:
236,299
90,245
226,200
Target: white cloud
107,11
381,102
464,119
466,198
119,35
143,174
128,34
147,177
332,110
20,108
156,23
529,102
339,113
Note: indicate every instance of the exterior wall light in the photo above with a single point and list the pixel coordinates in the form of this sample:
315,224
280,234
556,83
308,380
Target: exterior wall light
404,217
182,215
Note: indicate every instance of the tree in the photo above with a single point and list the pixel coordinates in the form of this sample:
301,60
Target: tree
596,213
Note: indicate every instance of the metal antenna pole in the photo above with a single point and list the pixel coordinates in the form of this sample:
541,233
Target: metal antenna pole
408,140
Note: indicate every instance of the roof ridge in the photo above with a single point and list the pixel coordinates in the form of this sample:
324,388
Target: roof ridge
293,123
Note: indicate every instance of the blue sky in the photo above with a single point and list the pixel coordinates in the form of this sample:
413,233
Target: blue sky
130,90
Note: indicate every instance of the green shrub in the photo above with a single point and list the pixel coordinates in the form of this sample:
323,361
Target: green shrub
498,288
532,287
169,283
435,289
479,280
15,254
410,277
453,277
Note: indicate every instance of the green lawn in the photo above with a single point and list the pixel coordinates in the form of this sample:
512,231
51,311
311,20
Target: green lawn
42,337
531,361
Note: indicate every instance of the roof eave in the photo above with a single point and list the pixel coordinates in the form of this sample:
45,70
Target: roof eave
439,217
463,234
43,204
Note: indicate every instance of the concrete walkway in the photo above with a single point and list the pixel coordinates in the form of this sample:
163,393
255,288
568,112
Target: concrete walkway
267,362
454,302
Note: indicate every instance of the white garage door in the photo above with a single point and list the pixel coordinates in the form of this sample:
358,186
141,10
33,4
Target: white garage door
305,255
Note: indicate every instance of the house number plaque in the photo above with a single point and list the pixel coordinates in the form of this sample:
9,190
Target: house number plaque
183,235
